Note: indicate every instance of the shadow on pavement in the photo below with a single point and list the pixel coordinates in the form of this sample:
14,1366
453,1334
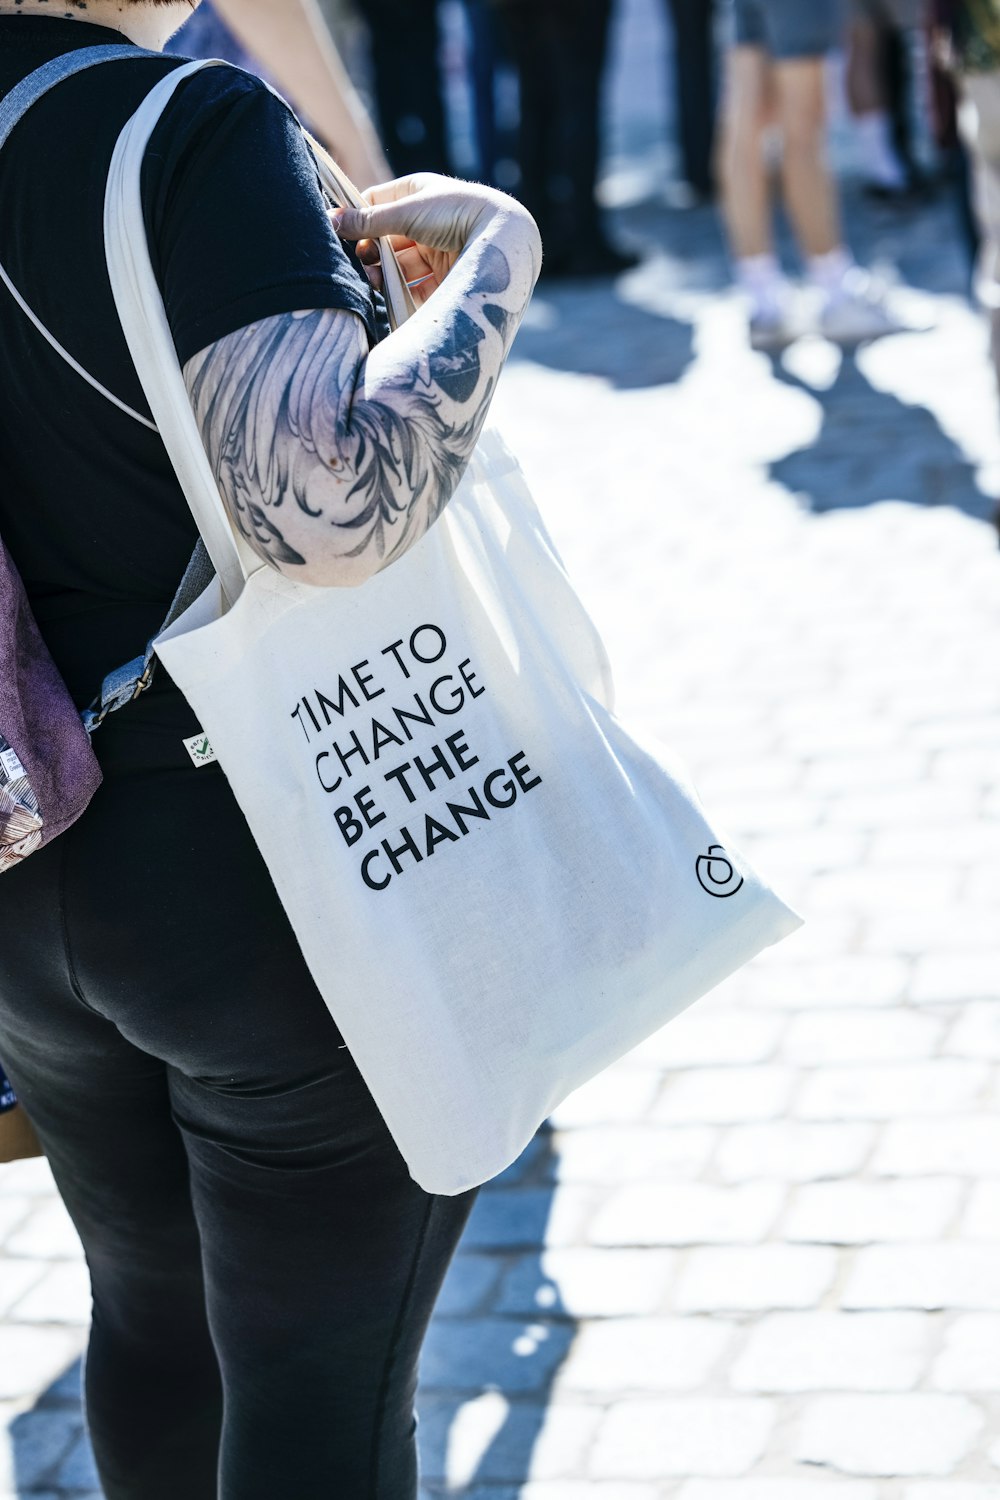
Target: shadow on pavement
499,1336
588,330
50,1453
873,447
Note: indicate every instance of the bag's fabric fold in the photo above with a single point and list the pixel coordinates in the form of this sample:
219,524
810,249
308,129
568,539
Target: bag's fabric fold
498,890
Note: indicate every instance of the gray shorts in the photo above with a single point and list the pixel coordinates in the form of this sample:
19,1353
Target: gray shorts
789,28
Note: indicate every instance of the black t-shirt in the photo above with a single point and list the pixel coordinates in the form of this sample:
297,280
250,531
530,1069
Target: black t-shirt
89,507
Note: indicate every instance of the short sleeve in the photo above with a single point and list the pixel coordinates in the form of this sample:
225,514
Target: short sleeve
236,216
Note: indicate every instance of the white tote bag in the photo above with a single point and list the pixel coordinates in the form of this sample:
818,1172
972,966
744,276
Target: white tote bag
497,889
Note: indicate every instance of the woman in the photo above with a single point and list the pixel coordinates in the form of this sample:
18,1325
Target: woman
775,70
263,1267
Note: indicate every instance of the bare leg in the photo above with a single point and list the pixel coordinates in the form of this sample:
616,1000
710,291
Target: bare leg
742,169
810,195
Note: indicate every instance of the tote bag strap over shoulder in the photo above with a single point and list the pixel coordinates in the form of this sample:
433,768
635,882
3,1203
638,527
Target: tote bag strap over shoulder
12,109
144,321
123,684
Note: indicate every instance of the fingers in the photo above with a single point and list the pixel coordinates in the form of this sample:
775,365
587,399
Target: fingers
373,223
370,257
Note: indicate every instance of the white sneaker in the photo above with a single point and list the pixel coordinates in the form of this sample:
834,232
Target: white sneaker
771,328
858,311
773,322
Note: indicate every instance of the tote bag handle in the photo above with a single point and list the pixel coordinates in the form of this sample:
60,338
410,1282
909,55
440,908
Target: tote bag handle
147,331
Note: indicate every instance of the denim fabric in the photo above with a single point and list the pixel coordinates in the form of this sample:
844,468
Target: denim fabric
789,28
263,1266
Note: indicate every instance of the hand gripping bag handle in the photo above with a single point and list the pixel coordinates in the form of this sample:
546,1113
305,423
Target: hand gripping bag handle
147,331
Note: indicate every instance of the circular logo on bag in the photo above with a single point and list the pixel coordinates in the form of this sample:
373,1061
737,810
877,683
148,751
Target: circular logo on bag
716,874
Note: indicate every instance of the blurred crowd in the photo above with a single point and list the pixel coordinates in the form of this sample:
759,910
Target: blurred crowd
749,88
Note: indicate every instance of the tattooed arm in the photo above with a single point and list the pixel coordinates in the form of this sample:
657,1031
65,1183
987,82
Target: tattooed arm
333,459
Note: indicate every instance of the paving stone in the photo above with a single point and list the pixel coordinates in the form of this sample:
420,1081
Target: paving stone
842,979
938,943
792,1151
750,1278
16,1278
647,1439
881,888
863,1036
686,1213
579,1282
36,1444
562,1489
976,1032
949,1274
942,803
961,844
957,976
970,1357
468,1284
505,1218
824,936
66,1390
950,1489
875,772
723,1095
982,1214
810,1351
617,1094
32,1357
940,1087
776,1487
702,1037
968,766
968,1145
492,1439
47,1231
77,1470
810,850
856,1212
632,1356
62,1296
535,1163
27,1179
892,1436
619,1153
14,1209
510,1354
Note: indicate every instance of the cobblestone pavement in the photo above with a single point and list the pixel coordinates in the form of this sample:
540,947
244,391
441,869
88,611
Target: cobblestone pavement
760,1257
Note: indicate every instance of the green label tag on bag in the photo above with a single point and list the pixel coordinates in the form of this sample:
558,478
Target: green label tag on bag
200,750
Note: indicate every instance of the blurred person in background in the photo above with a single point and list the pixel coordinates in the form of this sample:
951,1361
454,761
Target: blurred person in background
486,55
408,86
694,90
968,41
775,74
559,48
879,87
289,43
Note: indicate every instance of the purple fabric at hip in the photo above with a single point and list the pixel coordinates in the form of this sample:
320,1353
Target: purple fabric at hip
48,770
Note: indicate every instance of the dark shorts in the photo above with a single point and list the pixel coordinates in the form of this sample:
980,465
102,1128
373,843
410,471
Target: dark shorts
789,28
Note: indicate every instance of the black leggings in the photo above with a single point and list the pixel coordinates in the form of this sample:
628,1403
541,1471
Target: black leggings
263,1266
